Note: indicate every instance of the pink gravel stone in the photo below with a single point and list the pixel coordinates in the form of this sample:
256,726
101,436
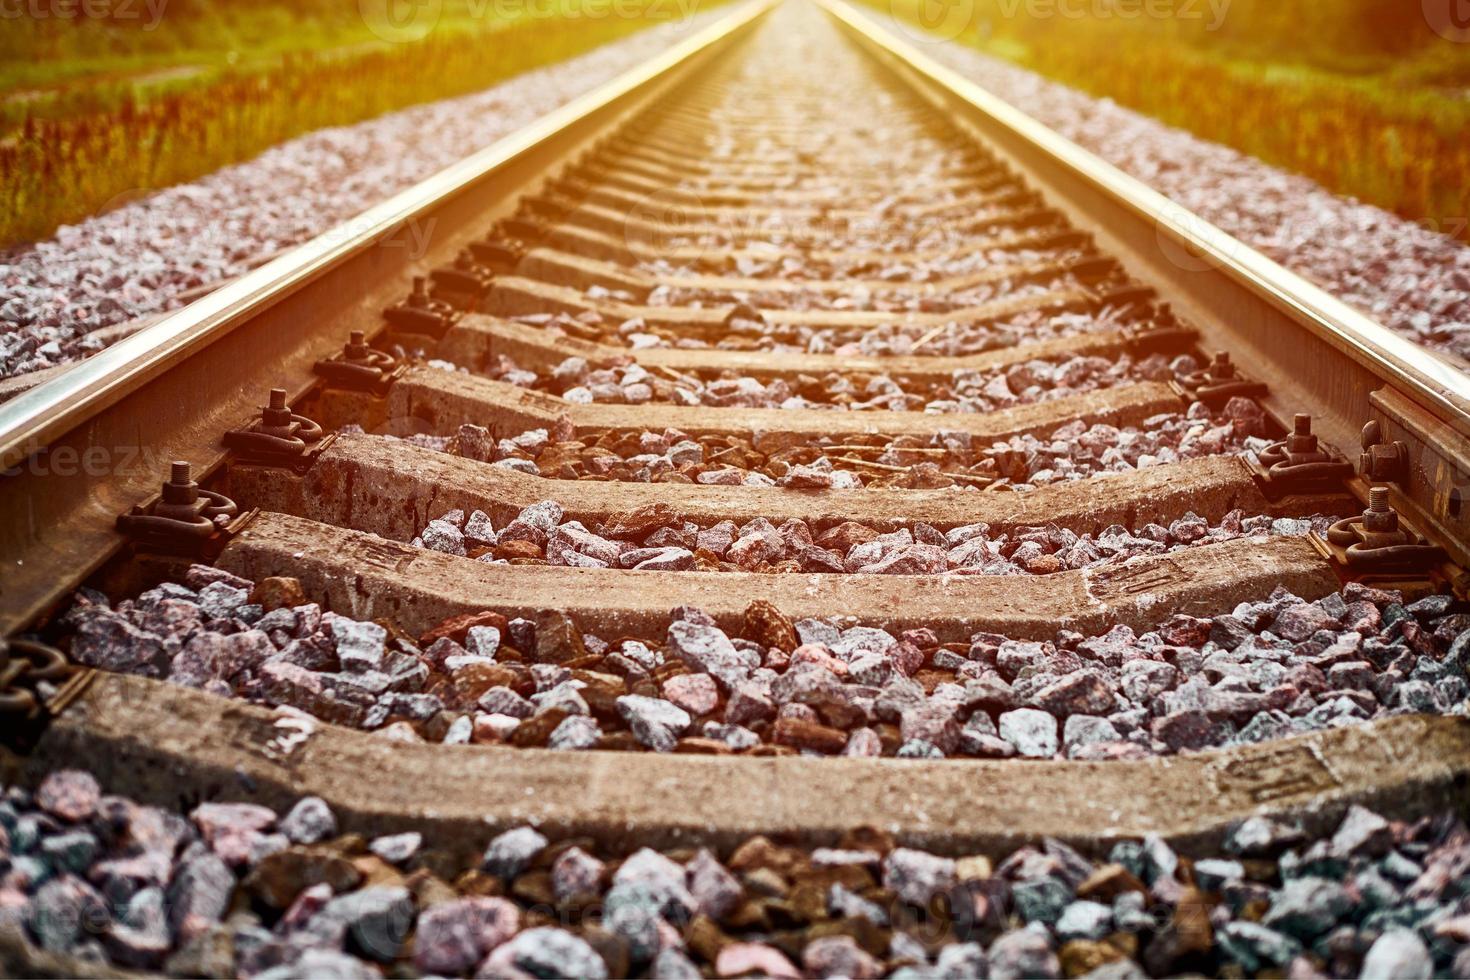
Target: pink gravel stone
453,936
864,743
695,693
839,956
215,819
738,959
494,727
234,830
906,657
817,653
69,794
714,888
747,704
575,872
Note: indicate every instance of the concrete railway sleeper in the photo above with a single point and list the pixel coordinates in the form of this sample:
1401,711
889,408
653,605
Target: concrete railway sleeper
792,523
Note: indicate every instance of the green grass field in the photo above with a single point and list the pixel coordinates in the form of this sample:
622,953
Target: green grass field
1361,95
94,107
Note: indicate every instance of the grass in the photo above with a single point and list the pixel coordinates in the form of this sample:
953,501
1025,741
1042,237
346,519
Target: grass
1360,95
93,111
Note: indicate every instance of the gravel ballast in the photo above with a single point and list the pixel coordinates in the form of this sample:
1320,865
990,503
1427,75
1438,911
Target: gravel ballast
238,889
949,458
651,541
1265,670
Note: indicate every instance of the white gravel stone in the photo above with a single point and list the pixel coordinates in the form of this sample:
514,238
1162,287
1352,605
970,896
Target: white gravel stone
1399,954
309,821
508,854
1033,732
656,723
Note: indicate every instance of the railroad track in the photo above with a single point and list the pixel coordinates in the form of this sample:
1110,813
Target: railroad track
795,329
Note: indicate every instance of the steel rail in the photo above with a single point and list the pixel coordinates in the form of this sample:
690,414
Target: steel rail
36,417
87,445
1316,353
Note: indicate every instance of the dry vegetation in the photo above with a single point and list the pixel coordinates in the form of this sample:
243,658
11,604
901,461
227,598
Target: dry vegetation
97,110
1360,95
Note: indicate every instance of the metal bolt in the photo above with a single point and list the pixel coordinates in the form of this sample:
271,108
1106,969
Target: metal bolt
420,295
1382,461
180,487
1379,516
357,348
1221,368
276,415
1301,441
